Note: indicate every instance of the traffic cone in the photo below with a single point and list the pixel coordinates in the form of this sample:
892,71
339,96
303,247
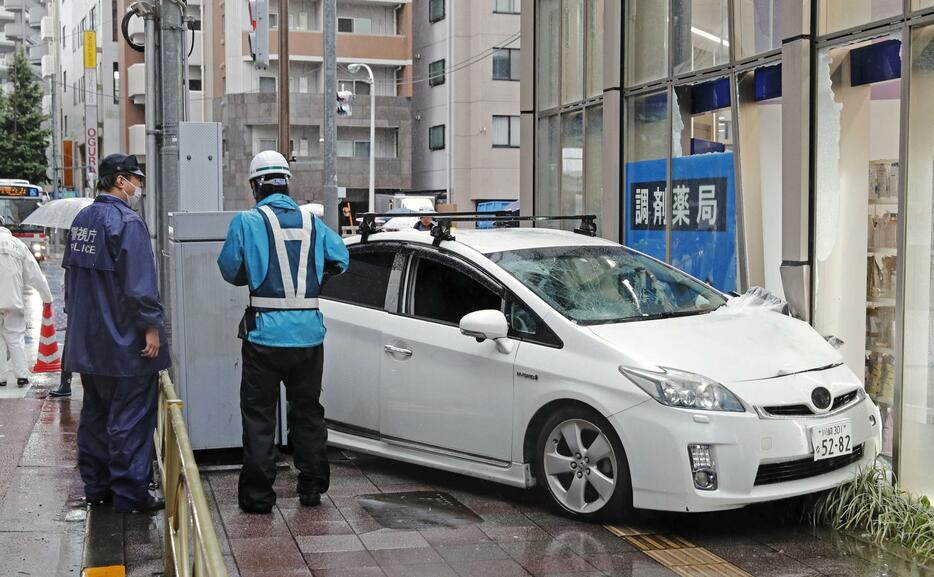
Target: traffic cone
49,359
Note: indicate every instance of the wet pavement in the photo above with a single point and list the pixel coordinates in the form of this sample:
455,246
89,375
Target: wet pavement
41,505
508,532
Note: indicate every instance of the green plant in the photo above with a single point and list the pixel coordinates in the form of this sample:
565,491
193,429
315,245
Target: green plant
873,505
23,139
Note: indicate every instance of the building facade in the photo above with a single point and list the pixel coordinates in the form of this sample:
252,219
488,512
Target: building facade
373,32
758,143
465,101
89,98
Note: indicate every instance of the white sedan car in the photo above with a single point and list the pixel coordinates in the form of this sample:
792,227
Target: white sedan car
532,356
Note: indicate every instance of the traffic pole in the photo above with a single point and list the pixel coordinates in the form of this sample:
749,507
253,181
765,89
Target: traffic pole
285,147
330,114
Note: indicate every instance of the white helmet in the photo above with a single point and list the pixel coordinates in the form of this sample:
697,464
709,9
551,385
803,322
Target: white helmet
269,162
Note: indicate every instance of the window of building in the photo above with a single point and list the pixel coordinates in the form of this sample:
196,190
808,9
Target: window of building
358,87
436,72
266,144
64,82
506,64
194,84
700,34
758,26
267,84
345,25
572,51
837,15
646,38
366,279
274,21
506,131
113,21
345,148
116,82
93,18
548,53
435,10
506,6
436,137
361,149
593,70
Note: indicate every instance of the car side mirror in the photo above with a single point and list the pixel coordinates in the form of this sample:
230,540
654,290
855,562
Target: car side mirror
487,325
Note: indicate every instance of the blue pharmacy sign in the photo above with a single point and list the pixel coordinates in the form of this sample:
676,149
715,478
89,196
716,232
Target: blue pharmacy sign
703,214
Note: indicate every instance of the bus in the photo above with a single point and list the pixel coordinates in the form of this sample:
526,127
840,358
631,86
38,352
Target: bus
18,199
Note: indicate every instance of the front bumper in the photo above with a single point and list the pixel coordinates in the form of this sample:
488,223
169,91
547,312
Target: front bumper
656,438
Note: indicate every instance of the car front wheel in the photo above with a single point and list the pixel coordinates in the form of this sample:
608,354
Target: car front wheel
582,467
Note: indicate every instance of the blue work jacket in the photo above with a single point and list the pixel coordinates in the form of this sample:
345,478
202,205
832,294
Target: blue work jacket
111,293
248,258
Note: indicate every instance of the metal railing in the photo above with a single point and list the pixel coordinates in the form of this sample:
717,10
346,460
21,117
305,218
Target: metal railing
190,542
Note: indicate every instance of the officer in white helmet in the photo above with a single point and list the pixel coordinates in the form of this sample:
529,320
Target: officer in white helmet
281,253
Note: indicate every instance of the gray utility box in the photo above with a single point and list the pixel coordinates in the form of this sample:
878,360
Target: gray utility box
200,168
206,312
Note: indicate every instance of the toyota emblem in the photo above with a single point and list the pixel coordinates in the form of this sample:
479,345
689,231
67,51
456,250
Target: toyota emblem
821,398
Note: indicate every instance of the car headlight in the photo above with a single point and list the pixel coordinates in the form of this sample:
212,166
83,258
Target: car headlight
36,247
684,390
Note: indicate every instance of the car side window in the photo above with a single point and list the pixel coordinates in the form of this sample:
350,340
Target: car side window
443,293
525,325
365,281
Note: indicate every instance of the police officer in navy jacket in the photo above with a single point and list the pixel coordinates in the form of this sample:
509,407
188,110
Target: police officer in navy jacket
281,253
115,339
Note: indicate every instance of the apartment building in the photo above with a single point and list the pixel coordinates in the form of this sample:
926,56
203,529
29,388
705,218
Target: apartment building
373,32
19,26
88,98
466,100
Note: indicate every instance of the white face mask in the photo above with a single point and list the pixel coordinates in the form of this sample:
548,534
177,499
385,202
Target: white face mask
135,199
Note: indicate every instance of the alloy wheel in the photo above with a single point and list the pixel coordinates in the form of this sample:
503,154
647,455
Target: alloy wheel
580,466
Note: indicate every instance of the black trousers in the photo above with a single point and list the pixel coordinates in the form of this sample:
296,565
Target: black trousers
263,369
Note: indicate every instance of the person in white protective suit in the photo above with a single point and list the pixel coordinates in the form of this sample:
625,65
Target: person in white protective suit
18,269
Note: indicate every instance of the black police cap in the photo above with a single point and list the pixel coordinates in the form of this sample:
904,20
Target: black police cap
119,164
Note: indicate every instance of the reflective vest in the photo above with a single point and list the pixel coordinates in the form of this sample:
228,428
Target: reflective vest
278,291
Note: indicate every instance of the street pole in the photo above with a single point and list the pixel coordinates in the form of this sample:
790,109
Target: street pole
354,68
171,34
284,138
54,113
330,114
149,12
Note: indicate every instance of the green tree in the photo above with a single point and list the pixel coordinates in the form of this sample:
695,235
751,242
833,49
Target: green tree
23,139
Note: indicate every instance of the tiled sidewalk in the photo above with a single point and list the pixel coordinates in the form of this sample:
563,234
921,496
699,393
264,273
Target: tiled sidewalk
517,535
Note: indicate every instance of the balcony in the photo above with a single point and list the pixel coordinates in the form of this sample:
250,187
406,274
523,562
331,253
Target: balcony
14,30
137,140
36,14
46,30
137,30
363,47
48,66
7,46
136,83
38,51
6,16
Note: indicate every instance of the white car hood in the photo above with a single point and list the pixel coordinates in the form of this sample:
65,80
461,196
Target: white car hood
727,346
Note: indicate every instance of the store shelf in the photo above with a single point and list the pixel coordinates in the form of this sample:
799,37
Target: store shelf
886,200
882,350
879,303
882,251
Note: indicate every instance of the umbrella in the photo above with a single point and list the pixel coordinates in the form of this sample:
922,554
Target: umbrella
58,213
400,210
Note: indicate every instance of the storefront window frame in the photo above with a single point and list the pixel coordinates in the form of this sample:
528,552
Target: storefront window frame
900,26
729,70
559,110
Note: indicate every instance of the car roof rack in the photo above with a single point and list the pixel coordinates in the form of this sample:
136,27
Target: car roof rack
442,230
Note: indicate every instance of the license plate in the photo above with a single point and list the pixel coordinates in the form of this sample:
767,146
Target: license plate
831,440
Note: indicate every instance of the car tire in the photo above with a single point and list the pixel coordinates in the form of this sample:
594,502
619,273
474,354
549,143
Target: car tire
581,466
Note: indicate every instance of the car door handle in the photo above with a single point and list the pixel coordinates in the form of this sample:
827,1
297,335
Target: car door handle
397,351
